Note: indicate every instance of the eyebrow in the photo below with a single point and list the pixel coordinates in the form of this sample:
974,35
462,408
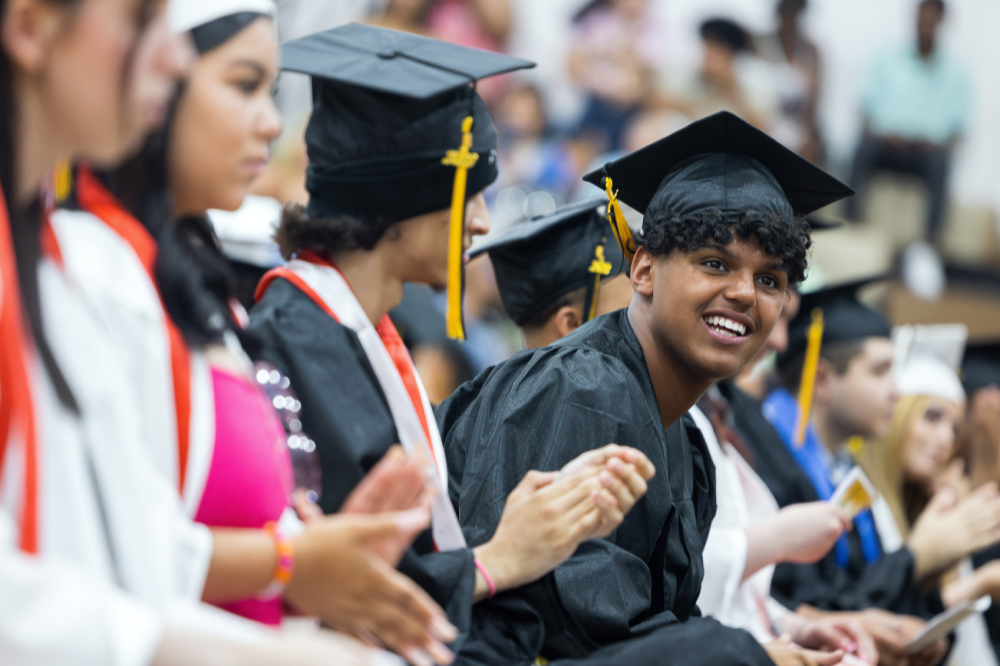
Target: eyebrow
725,251
260,69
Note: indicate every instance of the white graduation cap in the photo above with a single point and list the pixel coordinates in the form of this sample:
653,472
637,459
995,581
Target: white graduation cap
928,358
187,14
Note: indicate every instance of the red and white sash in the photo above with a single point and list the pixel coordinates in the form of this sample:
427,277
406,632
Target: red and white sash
408,403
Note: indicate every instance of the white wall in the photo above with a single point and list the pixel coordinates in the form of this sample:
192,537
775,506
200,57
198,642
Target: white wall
850,33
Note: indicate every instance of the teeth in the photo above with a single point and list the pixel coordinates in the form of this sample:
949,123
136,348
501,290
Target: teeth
727,325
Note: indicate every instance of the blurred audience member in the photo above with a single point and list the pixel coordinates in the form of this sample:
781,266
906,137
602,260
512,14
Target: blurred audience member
915,103
481,24
719,85
795,123
617,45
529,154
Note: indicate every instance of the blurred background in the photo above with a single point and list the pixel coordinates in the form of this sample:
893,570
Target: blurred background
900,98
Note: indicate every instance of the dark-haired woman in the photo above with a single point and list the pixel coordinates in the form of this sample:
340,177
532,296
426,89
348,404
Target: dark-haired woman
238,476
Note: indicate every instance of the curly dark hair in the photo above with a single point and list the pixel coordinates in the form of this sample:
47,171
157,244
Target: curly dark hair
299,230
788,241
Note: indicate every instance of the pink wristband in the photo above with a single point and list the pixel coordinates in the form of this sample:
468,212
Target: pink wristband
486,576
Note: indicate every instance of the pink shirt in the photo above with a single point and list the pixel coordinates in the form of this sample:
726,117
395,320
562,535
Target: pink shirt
250,479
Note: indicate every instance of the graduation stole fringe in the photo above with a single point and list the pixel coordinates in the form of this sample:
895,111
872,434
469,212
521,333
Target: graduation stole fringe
617,219
463,160
814,340
600,267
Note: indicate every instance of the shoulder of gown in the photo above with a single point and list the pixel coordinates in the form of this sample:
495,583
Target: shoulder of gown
343,408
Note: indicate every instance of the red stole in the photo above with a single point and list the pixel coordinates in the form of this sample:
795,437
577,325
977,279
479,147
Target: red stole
386,332
16,411
95,199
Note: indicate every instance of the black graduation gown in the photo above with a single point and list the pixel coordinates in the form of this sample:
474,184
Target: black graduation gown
992,614
631,596
346,413
887,583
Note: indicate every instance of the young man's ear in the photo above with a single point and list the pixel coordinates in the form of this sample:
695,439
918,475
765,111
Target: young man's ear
30,27
642,273
826,376
567,319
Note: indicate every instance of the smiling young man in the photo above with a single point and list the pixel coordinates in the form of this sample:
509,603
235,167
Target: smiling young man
722,237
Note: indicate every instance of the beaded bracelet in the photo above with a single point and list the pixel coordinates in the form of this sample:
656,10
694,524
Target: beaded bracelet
486,575
286,563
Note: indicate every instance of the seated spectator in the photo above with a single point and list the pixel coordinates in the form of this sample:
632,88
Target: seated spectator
915,103
799,61
617,45
721,84
481,24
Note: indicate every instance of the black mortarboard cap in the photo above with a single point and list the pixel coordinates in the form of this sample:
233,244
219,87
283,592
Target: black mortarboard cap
981,366
845,318
540,260
397,130
719,163
387,107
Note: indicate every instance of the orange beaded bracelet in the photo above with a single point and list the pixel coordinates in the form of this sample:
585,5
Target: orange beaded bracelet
286,563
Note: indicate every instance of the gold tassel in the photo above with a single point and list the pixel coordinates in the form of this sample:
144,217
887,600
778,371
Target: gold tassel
856,445
599,267
62,181
463,160
618,225
814,338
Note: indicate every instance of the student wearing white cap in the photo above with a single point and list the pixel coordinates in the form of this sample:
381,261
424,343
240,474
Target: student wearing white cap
915,469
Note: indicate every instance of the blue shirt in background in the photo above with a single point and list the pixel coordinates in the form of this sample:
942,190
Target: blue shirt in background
919,100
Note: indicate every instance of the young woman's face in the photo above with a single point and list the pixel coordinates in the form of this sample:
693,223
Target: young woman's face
714,308
931,442
225,122
106,81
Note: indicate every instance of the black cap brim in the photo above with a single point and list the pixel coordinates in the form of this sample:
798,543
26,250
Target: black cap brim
638,176
392,61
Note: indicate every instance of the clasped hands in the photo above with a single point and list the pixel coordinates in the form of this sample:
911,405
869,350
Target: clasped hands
345,563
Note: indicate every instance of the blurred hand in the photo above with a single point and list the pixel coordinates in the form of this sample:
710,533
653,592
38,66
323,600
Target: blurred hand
830,633
953,478
808,531
949,530
625,473
397,483
339,579
892,633
784,653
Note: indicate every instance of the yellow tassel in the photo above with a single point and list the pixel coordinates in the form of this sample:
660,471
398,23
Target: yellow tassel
814,338
463,160
617,219
856,445
62,181
599,267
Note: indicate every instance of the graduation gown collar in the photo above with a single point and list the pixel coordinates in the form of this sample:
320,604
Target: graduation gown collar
322,282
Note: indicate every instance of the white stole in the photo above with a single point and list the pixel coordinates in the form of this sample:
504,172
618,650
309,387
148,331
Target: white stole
332,288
